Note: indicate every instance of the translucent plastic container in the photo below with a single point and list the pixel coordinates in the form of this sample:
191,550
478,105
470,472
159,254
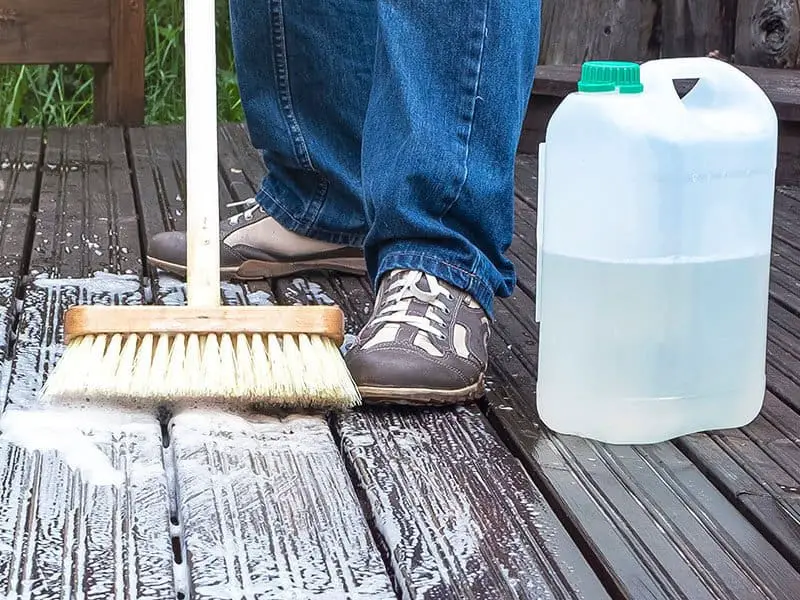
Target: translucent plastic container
654,240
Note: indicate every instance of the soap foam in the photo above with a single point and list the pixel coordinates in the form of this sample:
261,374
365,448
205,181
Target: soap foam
54,431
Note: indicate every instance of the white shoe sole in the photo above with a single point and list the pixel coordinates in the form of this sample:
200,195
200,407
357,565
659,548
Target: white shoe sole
414,396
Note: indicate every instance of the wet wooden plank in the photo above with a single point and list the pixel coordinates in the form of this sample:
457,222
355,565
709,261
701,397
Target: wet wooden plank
264,506
158,159
456,514
267,511
655,524
240,164
758,469
20,155
39,332
87,219
72,525
64,531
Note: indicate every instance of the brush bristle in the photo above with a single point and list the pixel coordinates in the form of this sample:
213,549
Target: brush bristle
262,370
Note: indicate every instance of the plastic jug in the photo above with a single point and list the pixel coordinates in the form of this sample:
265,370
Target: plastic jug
654,241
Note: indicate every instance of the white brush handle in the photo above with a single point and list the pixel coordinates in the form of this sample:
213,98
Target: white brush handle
202,191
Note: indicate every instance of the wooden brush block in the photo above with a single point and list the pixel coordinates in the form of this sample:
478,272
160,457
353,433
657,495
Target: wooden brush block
326,321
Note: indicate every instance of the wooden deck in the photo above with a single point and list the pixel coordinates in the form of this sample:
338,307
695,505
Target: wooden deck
476,502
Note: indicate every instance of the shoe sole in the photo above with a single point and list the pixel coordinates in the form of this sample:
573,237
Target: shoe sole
251,270
422,396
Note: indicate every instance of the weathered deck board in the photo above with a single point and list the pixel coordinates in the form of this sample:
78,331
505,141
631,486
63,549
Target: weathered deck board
265,507
39,331
268,511
240,165
87,218
456,513
63,532
20,155
759,466
85,247
653,519
655,524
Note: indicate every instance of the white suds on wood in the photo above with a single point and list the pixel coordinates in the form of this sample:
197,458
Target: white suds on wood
56,431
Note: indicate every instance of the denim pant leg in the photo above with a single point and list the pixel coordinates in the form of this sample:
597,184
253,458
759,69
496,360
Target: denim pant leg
304,72
392,124
450,87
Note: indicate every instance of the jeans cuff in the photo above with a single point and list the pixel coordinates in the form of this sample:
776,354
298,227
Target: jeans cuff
436,263
268,200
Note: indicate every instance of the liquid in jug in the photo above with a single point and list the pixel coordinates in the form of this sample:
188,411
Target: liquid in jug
655,222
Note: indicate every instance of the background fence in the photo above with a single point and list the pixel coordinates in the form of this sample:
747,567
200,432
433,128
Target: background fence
763,33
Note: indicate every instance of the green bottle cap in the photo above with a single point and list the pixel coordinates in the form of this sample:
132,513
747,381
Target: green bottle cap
607,76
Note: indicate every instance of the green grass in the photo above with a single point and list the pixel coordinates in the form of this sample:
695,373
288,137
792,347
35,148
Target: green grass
62,95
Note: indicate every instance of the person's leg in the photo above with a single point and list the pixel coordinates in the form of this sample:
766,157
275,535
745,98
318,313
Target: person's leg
304,73
450,87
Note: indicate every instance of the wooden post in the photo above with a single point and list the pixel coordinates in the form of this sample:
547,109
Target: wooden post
119,96
697,27
768,33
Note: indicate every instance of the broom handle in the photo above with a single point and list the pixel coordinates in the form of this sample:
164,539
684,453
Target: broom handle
202,191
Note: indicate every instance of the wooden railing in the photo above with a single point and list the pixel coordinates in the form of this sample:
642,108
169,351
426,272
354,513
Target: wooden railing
107,34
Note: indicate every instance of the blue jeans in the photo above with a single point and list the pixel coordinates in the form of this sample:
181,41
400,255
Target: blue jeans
392,125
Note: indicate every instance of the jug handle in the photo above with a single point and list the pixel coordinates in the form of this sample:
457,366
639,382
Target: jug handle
719,85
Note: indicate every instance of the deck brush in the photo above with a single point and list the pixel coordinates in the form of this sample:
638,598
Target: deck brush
203,353
170,356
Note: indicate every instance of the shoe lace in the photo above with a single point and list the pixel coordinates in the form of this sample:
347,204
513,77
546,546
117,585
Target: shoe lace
394,310
248,213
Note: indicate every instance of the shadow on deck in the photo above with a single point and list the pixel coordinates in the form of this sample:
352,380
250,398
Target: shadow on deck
476,502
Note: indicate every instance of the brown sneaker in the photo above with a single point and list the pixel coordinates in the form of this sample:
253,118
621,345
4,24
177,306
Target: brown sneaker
426,343
254,246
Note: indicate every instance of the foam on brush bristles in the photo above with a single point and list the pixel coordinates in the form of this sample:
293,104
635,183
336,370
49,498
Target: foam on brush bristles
262,370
